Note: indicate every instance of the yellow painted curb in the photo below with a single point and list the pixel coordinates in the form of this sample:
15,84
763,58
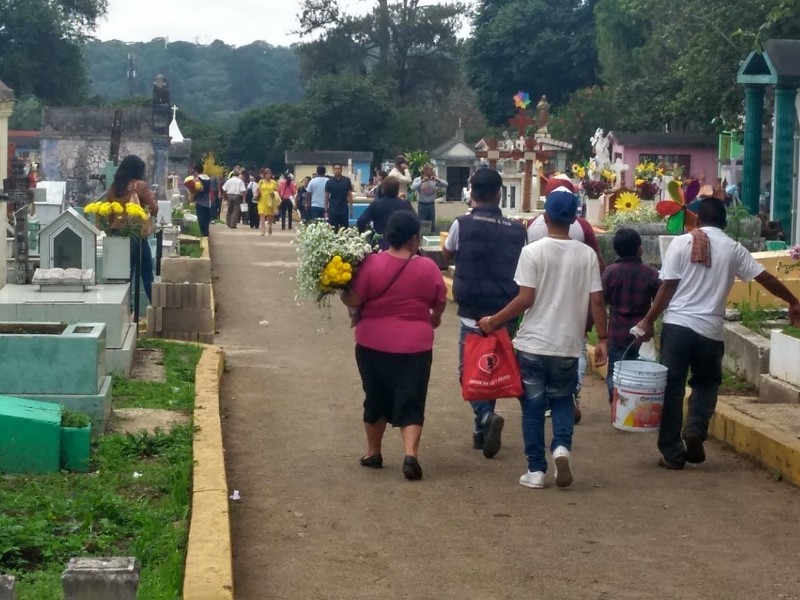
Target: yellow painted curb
208,574
755,439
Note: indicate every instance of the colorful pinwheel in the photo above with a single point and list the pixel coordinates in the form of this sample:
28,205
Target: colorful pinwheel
681,208
522,100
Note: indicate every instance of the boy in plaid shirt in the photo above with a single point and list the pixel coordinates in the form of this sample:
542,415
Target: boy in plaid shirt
629,287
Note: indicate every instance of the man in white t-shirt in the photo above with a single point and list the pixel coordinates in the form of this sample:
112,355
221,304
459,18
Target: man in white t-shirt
697,274
558,279
316,189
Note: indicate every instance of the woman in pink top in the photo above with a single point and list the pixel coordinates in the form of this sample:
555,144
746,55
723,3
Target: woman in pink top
287,190
400,297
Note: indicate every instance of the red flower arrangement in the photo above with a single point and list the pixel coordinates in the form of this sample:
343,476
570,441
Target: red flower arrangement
647,190
594,189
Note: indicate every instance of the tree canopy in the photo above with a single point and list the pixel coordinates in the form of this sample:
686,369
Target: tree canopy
544,47
40,46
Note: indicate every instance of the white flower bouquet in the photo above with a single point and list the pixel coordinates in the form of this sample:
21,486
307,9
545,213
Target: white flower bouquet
328,259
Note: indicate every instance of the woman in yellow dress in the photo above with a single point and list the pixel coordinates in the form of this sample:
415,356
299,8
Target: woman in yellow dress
268,200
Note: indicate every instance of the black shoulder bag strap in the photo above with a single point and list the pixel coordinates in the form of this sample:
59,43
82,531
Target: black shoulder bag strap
391,283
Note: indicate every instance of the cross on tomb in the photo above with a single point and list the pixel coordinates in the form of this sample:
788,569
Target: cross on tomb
174,111
521,121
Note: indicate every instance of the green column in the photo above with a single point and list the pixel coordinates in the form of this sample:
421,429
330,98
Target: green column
751,170
783,159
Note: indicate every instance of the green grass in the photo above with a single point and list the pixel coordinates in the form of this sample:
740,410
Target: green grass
47,519
193,228
733,385
177,393
191,250
792,331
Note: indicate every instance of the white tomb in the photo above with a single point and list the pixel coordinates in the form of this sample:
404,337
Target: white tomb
69,242
52,202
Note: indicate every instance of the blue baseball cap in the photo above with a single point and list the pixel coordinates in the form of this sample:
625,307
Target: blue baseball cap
562,205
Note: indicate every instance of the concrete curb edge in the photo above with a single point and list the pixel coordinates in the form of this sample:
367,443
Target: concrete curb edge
766,444
208,573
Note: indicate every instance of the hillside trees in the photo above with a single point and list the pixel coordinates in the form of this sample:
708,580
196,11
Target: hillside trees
214,81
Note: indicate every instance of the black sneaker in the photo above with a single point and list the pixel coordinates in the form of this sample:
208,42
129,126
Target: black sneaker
477,441
411,468
492,430
668,464
694,449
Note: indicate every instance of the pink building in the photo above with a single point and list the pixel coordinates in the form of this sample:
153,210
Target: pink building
696,153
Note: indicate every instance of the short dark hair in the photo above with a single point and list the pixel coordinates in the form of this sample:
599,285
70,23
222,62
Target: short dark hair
485,184
199,167
400,159
390,186
712,212
382,174
403,225
320,170
627,242
337,164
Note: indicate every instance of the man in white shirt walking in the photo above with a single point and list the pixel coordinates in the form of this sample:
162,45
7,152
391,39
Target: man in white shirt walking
316,189
697,274
558,279
234,190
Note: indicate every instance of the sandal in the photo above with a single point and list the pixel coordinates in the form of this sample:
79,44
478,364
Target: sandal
373,462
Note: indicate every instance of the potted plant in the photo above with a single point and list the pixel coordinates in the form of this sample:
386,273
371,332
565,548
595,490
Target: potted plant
76,435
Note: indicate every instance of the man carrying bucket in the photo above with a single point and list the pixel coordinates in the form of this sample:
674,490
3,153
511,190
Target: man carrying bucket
558,278
697,275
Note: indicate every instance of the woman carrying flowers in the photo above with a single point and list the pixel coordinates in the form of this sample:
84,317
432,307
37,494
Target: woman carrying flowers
128,211
400,298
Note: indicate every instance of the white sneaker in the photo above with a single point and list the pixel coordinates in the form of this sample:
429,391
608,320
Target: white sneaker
563,470
532,479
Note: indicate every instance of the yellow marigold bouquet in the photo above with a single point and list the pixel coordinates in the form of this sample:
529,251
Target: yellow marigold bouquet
128,220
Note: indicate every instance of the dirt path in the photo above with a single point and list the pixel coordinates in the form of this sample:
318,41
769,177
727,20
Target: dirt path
312,524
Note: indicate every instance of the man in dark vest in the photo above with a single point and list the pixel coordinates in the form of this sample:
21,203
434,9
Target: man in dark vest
486,247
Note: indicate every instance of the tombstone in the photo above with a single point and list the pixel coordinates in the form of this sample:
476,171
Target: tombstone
7,584
89,578
69,242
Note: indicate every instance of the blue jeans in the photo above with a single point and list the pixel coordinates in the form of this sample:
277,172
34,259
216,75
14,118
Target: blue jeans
615,353
317,213
549,381
146,268
481,408
203,218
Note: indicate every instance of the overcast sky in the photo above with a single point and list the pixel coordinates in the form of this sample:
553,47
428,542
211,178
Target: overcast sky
237,23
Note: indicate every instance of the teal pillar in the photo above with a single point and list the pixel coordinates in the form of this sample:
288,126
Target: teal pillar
783,159
751,169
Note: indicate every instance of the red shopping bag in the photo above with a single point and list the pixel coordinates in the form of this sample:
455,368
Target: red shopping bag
490,369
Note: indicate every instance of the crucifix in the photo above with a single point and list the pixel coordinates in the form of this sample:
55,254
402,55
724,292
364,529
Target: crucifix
20,197
524,149
174,111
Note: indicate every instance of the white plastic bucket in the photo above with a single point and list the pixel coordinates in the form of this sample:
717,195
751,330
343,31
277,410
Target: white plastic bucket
638,398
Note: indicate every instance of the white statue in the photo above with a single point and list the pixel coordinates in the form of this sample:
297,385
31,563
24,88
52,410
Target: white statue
507,143
520,143
600,144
